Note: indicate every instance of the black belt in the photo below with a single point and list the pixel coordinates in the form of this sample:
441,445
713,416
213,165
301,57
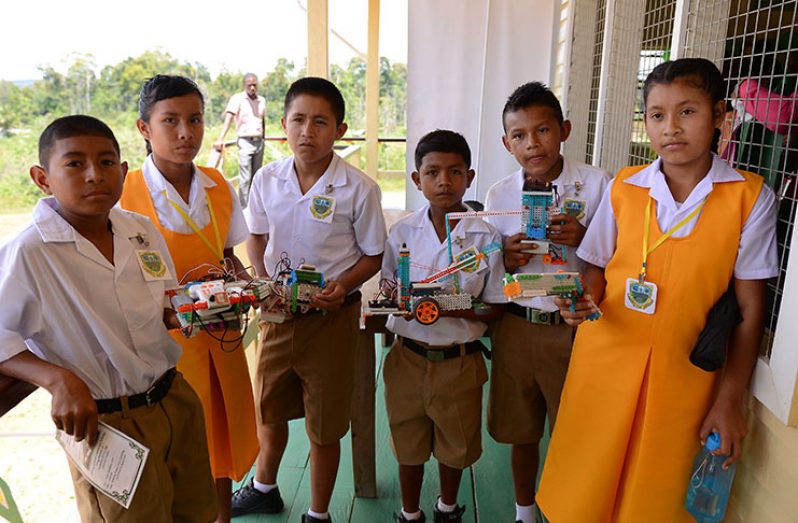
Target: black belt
444,353
156,393
537,316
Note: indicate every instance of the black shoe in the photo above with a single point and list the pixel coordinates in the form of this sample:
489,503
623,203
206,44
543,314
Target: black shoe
456,516
399,518
307,518
249,500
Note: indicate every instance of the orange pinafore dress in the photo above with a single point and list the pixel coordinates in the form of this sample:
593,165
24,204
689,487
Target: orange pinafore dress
220,378
632,405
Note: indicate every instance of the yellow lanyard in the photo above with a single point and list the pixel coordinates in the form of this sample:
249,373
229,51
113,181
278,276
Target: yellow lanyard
661,239
218,251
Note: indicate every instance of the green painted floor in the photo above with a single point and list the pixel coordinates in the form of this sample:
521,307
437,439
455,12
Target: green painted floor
486,488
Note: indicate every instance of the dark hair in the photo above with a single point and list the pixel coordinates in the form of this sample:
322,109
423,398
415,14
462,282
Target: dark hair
698,72
315,86
249,75
529,94
162,87
442,141
70,127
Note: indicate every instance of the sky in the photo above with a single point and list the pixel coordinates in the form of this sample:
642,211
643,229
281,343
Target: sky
233,36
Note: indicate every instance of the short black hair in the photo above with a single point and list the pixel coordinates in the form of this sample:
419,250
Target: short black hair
529,94
442,141
316,86
249,75
70,127
164,86
699,72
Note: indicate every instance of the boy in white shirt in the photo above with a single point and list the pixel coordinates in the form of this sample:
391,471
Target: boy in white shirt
531,345
315,208
434,373
83,288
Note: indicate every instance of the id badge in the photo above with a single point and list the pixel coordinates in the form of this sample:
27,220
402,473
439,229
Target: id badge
322,208
640,297
153,268
575,208
475,266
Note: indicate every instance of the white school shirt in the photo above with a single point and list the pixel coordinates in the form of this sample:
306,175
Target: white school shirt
427,255
65,302
278,208
197,206
577,181
757,258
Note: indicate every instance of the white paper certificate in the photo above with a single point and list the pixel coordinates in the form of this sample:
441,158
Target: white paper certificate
114,465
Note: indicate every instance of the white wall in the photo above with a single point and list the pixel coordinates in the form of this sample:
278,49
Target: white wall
465,57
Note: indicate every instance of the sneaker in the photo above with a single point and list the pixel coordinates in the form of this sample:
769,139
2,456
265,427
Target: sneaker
456,516
398,517
249,500
307,518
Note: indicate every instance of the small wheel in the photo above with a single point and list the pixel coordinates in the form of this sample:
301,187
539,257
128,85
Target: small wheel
426,311
547,259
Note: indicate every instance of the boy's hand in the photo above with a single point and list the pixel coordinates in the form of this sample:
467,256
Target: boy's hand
73,409
513,257
726,418
566,230
331,296
584,308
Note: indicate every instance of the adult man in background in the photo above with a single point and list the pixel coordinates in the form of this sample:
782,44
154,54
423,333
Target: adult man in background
248,109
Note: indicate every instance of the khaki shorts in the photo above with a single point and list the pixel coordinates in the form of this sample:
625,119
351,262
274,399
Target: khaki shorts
176,483
305,369
527,375
434,407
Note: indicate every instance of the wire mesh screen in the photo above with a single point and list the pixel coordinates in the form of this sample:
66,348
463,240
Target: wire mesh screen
595,81
758,54
655,49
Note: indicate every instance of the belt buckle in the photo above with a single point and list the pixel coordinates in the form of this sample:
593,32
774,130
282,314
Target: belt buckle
147,395
434,355
541,317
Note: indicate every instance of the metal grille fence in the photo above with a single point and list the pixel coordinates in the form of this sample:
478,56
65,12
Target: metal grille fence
755,43
655,48
595,82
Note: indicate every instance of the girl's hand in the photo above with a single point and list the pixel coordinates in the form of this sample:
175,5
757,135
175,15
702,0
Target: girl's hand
584,308
331,297
567,231
73,410
513,257
726,418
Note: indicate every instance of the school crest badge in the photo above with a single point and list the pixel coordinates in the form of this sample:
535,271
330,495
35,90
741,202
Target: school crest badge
469,254
575,208
152,263
641,296
322,208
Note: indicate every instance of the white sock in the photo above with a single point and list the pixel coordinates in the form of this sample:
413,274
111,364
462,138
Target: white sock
319,515
411,516
443,507
265,488
525,514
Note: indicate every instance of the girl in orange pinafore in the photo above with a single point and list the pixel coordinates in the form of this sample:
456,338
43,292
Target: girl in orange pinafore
200,217
634,409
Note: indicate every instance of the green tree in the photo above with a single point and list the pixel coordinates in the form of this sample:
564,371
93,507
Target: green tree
80,83
15,107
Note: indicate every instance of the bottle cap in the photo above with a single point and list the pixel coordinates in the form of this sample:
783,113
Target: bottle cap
713,442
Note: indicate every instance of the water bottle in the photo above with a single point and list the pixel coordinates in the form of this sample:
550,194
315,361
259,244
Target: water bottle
710,484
